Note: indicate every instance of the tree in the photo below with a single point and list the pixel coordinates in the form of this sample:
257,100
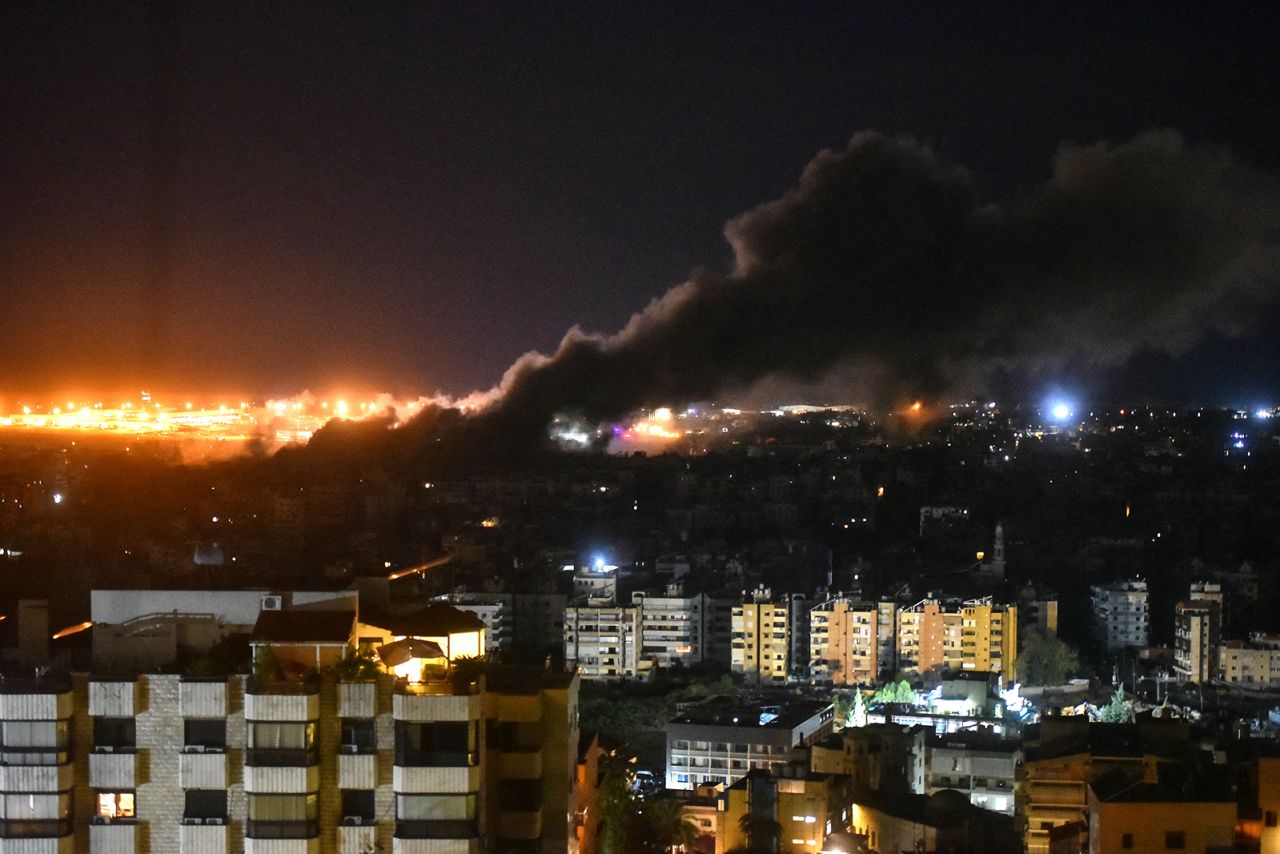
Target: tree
1045,659
858,714
663,826
899,691
1119,710
616,805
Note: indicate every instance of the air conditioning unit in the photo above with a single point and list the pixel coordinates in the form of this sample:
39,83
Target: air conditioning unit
215,821
194,748
272,603
104,748
352,820
193,821
349,748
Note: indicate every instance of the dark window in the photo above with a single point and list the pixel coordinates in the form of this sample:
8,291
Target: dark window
1270,818
206,803
283,817
358,735
207,733
437,744
114,733
357,803
520,795
1175,840
1126,841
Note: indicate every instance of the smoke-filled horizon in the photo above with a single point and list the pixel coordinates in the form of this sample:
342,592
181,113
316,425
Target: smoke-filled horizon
886,270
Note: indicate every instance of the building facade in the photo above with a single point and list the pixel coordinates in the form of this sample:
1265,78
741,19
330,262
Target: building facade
762,638
1121,619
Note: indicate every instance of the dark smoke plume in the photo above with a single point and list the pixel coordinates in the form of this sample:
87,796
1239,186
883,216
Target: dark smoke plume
883,263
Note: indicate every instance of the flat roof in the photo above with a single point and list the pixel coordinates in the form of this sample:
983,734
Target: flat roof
325,627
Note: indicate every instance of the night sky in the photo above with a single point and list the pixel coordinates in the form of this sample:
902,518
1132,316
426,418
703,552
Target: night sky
264,198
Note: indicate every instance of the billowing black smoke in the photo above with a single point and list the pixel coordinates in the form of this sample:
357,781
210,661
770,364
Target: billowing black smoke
883,264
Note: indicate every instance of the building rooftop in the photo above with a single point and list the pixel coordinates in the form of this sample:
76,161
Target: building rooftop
430,621
335,627
728,711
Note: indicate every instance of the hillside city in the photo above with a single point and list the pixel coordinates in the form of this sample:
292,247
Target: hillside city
798,630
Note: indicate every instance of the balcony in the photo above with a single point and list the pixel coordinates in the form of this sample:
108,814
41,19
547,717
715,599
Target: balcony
435,846
202,698
36,835
113,769
455,829
410,779
436,701
116,837
46,699
281,701
357,838
286,779
202,838
113,698
357,770
357,699
282,846
35,778
520,764
206,769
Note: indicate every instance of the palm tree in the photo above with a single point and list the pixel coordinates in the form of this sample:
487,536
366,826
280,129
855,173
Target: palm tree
666,826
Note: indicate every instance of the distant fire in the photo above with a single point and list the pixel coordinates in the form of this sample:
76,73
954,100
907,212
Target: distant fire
286,421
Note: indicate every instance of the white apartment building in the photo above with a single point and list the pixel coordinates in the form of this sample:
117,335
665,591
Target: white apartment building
493,609
1120,615
672,628
603,640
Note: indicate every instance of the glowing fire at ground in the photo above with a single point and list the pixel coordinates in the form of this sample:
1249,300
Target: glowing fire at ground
283,421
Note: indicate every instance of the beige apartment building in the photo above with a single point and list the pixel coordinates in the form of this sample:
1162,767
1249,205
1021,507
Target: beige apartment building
761,637
449,758
977,635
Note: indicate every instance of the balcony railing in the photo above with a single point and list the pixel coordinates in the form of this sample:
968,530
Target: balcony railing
282,829
436,759
36,828
439,687
254,685
457,829
275,757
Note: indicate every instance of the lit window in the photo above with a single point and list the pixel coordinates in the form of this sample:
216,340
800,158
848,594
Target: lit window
115,804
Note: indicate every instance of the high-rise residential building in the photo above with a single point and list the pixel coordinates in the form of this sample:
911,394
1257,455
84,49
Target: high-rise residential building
977,635
671,628
603,640
1197,630
844,641
449,756
1037,609
1120,616
762,637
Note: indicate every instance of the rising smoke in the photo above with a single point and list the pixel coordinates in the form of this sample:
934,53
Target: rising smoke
884,265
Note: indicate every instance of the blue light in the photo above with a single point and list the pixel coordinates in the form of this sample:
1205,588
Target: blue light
1059,410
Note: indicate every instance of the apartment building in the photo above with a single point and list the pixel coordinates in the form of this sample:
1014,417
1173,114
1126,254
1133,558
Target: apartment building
672,628
762,637
981,766
719,742
844,642
1120,616
452,758
603,640
1252,663
976,635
